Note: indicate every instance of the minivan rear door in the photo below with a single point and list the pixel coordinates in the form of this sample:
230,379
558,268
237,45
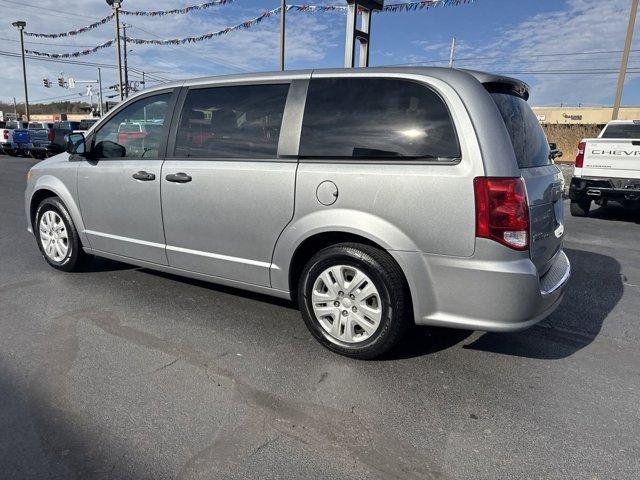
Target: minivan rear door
543,179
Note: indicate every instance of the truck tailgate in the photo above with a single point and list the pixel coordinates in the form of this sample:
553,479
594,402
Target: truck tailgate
611,158
21,136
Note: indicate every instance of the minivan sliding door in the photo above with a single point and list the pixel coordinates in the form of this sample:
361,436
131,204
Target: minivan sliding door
226,193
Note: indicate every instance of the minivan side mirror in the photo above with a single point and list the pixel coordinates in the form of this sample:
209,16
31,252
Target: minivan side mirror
76,144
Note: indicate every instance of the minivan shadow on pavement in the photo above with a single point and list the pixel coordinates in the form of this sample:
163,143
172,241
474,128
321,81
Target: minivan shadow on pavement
100,264
575,324
578,320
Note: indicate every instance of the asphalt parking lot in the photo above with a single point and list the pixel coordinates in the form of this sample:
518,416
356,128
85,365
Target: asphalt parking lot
119,372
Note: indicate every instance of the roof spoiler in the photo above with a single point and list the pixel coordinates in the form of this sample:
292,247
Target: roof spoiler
500,84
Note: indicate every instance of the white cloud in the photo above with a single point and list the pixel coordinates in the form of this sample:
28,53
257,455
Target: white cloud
254,49
580,26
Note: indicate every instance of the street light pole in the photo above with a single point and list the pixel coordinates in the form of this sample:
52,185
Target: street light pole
115,4
20,25
625,59
283,17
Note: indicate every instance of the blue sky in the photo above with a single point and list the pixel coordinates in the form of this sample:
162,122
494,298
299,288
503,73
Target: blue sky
505,36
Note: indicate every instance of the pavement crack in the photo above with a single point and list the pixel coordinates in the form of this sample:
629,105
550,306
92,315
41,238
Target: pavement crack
263,445
167,365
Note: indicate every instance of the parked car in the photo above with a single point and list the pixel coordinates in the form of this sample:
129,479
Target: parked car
55,141
607,168
375,198
6,140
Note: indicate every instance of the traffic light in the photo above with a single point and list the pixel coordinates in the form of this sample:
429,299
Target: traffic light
46,82
61,81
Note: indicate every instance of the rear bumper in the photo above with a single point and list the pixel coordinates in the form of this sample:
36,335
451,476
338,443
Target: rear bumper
46,149
610,188
493,294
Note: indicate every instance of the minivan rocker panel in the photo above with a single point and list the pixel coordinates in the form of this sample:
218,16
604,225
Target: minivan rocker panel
278,184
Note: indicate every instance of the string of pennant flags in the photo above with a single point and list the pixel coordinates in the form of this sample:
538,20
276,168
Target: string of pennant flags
398,7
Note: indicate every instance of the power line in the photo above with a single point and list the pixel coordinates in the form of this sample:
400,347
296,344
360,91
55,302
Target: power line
224,63
151,76
50,10
499,57
47,43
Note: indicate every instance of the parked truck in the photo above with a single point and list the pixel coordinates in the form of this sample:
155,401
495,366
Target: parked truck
7,143
607,168
49,139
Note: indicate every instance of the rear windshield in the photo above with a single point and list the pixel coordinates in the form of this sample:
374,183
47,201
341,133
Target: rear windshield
130,127
622,130
529,141
85,124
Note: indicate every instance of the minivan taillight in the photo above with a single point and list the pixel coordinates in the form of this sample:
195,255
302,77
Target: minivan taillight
502,212
5,134
580,154
51,136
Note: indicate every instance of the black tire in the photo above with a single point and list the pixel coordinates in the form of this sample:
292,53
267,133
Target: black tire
387,277
75,258
580,208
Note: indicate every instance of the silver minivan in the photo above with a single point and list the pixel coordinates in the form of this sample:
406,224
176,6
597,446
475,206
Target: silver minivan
374,198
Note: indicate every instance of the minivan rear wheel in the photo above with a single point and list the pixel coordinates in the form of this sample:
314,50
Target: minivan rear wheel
57,236
353,299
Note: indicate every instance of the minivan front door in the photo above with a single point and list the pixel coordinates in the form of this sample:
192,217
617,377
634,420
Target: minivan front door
226,194
119,183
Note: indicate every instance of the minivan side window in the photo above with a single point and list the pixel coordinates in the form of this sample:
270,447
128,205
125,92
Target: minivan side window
376,118
232,122
135,131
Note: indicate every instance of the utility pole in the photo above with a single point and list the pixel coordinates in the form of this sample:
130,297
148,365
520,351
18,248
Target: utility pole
126,65
144,84
283,17
453,52
625,59
15,108
20,24
116,4
100,92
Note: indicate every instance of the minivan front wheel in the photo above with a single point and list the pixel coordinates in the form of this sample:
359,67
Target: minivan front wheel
353,300
57,237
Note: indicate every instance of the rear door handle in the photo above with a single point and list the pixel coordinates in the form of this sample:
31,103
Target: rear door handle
179,177
144,176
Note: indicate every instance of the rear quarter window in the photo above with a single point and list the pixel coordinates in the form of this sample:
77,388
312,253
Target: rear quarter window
529,142
376,118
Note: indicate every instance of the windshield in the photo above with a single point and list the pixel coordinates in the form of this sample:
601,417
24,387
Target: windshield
622,130
529,141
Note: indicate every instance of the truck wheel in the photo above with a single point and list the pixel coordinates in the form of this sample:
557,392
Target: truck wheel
580,208
354,300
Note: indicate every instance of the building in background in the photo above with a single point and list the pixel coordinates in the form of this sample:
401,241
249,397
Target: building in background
583,115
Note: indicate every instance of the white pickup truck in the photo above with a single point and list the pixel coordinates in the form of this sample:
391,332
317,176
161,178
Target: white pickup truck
607,168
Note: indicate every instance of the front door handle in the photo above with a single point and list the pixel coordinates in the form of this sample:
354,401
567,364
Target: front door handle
144,176
178,177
